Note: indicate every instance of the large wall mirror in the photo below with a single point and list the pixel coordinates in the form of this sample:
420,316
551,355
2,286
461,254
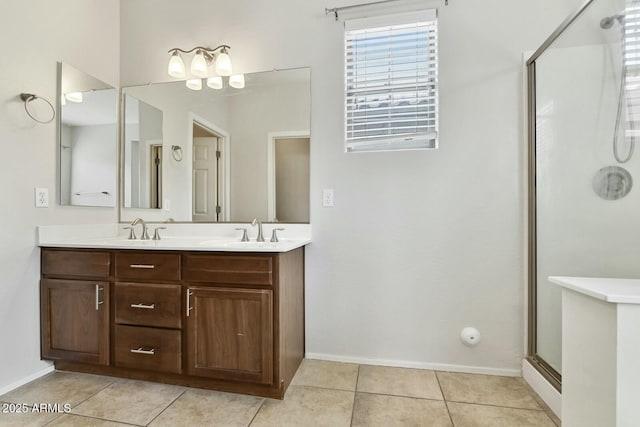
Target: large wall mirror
218,155
87,139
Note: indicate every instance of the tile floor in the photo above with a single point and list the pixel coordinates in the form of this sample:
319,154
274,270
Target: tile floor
322,394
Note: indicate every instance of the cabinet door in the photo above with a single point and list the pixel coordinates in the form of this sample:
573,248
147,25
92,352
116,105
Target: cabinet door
75,320
230,334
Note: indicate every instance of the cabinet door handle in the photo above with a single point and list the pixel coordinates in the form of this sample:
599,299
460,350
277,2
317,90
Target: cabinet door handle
142,266
98,302
140,350
147,306
189,308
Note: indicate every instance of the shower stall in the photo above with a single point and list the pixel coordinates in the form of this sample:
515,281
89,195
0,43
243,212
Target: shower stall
584,173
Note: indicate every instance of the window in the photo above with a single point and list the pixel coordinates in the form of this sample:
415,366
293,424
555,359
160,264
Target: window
391,82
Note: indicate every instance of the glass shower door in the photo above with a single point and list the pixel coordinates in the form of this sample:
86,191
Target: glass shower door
583,207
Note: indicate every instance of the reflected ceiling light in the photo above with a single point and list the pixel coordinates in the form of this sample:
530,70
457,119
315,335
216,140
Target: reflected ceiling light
237,81
215,82
194,84
202,60
176,66
74,96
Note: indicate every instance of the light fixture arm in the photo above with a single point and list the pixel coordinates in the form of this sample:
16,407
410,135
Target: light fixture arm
205,50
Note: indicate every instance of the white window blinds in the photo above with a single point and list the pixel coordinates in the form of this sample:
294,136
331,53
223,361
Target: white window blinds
631,71
391,82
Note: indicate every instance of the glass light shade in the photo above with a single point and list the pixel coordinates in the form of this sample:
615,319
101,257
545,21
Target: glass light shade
237,81
214,82
176,66
194,84
74,96
223,64
199,66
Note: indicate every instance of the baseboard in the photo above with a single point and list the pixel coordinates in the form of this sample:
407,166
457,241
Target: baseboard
540,385
417,365
28,379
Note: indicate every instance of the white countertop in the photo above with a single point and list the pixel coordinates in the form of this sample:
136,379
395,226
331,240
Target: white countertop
619,291
180,237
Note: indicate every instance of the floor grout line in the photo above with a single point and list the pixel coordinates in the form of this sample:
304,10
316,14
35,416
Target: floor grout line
323,388
496,406
355,394
402,396
264,400
95,418
446,405
167,407
94,394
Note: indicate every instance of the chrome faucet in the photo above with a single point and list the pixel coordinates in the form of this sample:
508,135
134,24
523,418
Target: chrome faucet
257,222
145,232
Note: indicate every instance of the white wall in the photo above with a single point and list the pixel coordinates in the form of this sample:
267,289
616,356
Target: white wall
36,34
419,244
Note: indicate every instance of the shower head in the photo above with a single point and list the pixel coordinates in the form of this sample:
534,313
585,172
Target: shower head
608,21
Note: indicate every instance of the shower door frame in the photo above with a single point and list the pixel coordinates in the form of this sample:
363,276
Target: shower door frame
545,369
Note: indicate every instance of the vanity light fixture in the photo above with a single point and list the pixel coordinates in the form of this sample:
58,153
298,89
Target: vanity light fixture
202,60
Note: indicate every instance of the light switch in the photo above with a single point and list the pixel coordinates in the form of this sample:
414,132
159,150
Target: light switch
166,206
42,197
327,198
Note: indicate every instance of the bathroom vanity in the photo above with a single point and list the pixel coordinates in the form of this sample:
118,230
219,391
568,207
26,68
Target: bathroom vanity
229,318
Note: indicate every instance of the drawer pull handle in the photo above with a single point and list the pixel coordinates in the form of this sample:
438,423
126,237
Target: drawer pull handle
148,307
98,302
143,351
150,266
189,308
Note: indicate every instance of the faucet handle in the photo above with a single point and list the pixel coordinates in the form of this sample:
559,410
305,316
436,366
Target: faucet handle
156,233
245,237
132,232
274,234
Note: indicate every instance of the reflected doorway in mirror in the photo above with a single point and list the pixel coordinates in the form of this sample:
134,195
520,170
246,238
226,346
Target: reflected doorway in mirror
288,176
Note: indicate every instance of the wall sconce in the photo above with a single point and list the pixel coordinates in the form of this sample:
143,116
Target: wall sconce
202,60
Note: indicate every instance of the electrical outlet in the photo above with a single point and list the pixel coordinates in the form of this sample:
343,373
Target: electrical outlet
42,197
327,198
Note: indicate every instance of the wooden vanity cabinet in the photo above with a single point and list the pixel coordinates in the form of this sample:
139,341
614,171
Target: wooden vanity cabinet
230,334
74,306
147,314
217,320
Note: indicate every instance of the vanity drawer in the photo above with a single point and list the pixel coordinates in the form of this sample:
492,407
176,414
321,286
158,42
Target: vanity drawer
147,266
75,263
251,270
148,304
148,348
